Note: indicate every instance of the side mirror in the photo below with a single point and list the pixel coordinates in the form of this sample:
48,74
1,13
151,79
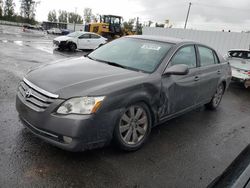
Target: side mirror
180,69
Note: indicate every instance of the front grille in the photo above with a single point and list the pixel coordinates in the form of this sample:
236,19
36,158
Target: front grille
34,97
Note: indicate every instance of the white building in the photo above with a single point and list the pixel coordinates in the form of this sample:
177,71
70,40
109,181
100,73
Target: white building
221,41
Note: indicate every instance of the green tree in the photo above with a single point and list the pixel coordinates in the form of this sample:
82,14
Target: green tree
52,16
95,17
87,14
129,26
74,18
9,9
63,16
1,8
28,10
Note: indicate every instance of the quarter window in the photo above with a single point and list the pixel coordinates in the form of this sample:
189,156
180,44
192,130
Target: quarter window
206,56
185,55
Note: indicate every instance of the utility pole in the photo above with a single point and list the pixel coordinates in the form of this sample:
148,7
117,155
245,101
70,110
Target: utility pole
75,19
187,15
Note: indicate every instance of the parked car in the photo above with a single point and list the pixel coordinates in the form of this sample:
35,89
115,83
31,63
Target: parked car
65,31
54,31
79,40
240,64
120,91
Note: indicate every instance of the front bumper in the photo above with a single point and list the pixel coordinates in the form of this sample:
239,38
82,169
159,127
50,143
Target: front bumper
86,131
60,44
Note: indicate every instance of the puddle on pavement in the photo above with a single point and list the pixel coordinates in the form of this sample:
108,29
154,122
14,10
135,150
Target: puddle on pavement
18,42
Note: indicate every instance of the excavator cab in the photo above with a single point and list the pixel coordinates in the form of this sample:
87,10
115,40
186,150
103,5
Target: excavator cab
109,26
114,23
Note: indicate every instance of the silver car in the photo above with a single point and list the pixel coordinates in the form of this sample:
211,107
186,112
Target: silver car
240,64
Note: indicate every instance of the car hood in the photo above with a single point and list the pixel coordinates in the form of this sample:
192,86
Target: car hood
240,64
63,38
83,77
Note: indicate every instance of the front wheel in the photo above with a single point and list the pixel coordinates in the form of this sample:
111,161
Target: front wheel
133,127
72,47
214,103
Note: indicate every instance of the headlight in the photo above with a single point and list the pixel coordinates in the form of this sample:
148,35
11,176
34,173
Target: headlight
81,105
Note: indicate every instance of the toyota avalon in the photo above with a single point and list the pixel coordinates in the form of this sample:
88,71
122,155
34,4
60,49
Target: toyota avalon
120,91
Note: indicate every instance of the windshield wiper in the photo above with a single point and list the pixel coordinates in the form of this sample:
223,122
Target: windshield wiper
116,64
108,62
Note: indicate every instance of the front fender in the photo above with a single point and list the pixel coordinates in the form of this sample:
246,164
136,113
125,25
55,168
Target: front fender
147,93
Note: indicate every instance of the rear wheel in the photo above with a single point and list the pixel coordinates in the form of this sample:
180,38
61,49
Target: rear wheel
133,127
214,103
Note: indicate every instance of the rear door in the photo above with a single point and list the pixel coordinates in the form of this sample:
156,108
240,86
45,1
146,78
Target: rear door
179,92
95,41
84,41
210,73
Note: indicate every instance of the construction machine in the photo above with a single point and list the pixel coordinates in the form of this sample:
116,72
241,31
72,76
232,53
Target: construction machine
109,26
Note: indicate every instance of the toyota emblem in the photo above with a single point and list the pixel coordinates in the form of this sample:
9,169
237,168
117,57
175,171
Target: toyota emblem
28,93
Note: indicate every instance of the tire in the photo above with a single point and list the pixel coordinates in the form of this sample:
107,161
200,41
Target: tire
72,46
133,127
215,101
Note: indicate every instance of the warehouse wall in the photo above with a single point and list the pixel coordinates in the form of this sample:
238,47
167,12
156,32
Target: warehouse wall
221,41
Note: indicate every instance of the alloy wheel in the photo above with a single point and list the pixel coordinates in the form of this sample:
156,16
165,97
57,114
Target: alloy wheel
133,125
218,95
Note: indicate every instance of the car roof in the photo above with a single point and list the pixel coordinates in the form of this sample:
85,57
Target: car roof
160,38
85,32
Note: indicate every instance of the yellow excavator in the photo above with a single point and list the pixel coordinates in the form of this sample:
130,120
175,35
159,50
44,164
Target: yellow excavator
109,26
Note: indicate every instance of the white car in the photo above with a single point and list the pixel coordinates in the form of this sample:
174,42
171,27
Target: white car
240,65
54,31
79,40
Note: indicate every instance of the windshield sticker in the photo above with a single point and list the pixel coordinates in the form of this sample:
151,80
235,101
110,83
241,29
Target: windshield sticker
151,47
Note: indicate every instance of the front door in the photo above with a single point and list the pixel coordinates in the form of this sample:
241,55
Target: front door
180,92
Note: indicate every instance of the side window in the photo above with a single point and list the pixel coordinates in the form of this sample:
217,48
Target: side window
206,56
216,60
185,55
85,36
248,55
94,36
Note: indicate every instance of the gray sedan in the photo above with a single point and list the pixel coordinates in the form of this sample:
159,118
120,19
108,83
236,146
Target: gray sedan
120,91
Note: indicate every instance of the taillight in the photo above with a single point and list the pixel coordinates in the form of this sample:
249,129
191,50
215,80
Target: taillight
247,72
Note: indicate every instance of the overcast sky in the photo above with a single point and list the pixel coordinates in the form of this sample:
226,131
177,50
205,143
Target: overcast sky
204,15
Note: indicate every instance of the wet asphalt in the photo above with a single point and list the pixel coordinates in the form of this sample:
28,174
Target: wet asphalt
188,151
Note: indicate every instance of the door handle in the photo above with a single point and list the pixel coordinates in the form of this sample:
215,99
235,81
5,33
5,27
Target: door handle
196,78
218,72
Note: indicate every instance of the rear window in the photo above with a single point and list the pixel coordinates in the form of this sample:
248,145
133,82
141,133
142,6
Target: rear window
239,54
248,55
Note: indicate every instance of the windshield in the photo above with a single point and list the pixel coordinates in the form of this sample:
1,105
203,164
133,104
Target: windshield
143,55
75,34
